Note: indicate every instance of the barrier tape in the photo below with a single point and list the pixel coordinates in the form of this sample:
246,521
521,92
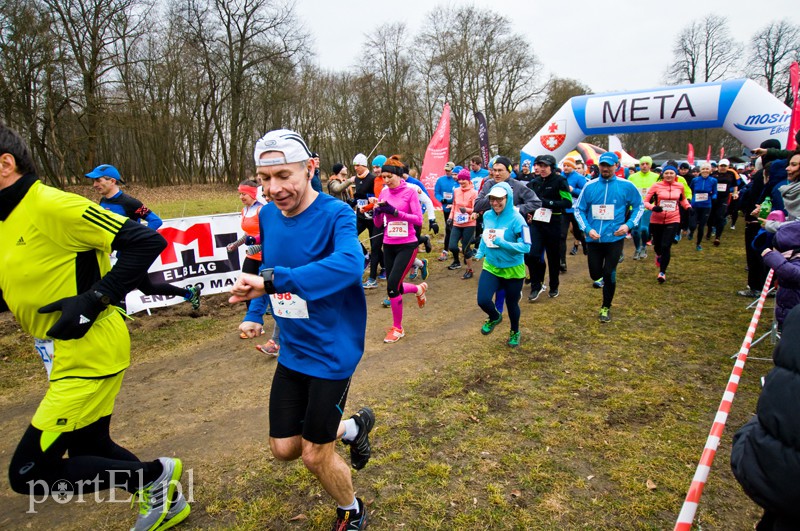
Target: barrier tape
686,516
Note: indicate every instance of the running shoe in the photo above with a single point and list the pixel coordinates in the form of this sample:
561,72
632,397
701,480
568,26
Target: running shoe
599,283
427,241
699,248
360,449
382,275
270,348
371,283
553,293
243,335
422,289
513,339
733,227
424,269
658,261
178,512
394,335
678,237
716,242
752,294
644,253
574,250
488,325
535,293
621,259
413,273
194,297
636,254
156,498
563,266
350,520
366,262
454,266
605,314
386,303
468,274
443,256
661,277
690,236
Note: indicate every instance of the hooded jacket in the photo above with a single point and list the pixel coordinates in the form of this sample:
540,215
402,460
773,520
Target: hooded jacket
409,213
513,235
765,457
785,261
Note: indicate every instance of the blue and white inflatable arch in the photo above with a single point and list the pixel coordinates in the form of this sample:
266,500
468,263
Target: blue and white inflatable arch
741,107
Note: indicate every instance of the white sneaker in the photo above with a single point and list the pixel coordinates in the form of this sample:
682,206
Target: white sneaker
156,499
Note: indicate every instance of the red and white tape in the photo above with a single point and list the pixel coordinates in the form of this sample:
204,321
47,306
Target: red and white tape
686,516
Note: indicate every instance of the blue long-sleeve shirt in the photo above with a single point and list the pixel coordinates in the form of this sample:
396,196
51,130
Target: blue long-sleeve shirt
130,207
577,182
445,185
316,257
704,185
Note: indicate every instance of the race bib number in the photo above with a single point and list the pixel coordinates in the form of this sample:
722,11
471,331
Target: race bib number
448,196
543,215
603,212
462,218
361,203
45,349
397,229
669,206
289,306
722,187
490,235
701,196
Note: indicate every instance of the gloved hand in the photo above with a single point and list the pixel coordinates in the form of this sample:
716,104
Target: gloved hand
77,315
658,208
463,210
252,249
250,240
449,224
231,247
432,225
385,209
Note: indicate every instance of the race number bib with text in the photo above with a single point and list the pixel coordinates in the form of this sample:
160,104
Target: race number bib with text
289,306
462,218
700,196
397,229
603,212
44,347
722,187
543,215
669,206
490,235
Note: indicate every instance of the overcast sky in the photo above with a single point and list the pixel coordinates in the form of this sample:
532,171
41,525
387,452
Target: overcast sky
609,45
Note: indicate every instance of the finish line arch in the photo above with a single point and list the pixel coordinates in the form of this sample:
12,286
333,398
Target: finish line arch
741,107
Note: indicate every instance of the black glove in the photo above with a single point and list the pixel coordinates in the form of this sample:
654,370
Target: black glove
450,223
385,209
250,240
77,314
432,225
463,210
549,203
658,208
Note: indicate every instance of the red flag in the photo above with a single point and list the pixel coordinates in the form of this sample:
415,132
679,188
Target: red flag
794,126
690,154
708,155
437,154
721,153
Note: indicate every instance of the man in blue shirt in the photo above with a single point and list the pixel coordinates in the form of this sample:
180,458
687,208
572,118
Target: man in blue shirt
576,182
312,266
106,180
444,189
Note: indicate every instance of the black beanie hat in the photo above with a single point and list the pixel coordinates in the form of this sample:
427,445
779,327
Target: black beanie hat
337,168
771,143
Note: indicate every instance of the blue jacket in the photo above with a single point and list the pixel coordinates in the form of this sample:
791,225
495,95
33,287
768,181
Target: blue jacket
620,194
703,185
445,184
516,237
577,182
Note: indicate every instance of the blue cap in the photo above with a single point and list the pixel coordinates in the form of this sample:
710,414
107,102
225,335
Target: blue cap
457,169
379,160
105,170
608,158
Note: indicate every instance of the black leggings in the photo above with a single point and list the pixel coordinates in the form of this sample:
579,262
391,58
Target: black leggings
699,220
375,244
463,235
399,259
545,237
663,238
95,461
603,259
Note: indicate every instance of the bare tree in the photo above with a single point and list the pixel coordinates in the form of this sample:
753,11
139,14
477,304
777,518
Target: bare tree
773,49
704,52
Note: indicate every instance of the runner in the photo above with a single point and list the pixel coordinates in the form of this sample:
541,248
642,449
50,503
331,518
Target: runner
664,199
576,182
398,211
57,280
727,190
443,191
312,272
363,195
463,226
506,239
602,212
105,181
704,193
643,180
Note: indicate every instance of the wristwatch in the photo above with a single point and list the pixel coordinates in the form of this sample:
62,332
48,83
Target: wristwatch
102,298
266,274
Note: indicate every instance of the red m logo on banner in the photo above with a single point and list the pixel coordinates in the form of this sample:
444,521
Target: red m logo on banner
200,232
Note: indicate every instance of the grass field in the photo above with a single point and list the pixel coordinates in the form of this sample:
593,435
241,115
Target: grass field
584,426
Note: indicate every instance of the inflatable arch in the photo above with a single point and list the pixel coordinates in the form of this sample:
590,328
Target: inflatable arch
741,107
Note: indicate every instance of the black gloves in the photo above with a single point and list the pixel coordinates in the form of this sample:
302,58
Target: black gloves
385,209
432,225
658,208
450,223
77,314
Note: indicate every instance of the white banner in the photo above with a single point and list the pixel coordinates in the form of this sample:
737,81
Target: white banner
195,256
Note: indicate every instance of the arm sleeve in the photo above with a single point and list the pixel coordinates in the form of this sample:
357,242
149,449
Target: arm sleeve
637,206
415,216
341,268
255,312
437,191
153,221
580,210
481,202
530,201
425,200
138,246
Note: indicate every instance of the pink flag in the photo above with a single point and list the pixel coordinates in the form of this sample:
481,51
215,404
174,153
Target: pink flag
690,154
708,155
721,153
794,126
437,154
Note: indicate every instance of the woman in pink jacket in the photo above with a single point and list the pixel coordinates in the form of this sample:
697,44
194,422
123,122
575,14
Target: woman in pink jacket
399,212
462,223
664,198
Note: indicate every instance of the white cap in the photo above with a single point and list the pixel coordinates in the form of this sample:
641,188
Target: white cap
360,160
288,142
498,191
724,162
